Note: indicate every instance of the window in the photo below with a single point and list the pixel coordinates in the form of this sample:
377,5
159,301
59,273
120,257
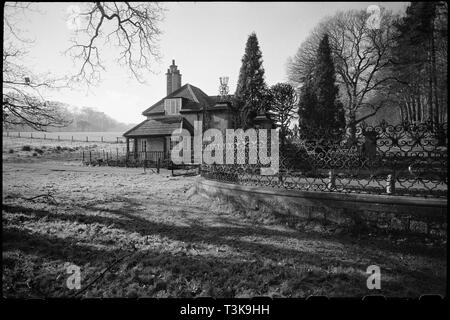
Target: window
172,106
143,145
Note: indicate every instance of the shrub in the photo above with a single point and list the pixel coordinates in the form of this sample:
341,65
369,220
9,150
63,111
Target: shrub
38,150
35,154
26,148
11,151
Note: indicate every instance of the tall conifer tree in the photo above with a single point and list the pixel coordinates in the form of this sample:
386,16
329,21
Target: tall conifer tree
251,87
319,105
330,110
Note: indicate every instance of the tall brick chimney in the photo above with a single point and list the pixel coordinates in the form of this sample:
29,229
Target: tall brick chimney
173,78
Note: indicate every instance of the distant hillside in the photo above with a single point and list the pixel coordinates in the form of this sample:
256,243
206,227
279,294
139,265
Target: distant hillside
84,119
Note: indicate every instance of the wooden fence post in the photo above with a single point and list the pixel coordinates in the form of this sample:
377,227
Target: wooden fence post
101,138
145,158
117,139
144,161
58,138
72,138
83,156
158,165
44,136
31,135
90,157
19,134
86,139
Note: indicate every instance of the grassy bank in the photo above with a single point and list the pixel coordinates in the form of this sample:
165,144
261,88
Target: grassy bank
174,243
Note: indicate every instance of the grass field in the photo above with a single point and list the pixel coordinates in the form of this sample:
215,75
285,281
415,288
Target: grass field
150,235
26,149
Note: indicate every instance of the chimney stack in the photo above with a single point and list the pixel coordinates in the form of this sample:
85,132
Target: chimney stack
173,78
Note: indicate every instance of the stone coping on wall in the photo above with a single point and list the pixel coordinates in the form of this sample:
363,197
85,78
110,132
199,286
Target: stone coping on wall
364,206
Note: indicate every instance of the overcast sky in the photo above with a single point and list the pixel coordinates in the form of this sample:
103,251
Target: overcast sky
206,39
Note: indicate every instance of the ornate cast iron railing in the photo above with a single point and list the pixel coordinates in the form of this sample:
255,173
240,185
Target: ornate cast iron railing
406,159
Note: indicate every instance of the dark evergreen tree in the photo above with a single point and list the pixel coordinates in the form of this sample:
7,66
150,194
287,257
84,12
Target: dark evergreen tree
319,106
330,111
420,66
251,87
307,105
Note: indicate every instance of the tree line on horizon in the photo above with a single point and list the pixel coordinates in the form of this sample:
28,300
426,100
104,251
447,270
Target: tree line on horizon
84,119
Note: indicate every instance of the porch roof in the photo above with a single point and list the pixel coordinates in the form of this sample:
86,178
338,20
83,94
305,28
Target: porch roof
158,126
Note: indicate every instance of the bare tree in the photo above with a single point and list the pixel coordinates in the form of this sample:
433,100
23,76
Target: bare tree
302,64
283,102
130,26
133,28
361,54
22,102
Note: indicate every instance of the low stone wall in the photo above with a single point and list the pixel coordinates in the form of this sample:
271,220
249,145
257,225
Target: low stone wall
361,211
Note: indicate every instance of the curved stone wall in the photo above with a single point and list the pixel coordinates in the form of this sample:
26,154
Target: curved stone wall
410,214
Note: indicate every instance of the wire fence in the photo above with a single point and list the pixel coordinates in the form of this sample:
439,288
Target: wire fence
141,159
69,136
120,157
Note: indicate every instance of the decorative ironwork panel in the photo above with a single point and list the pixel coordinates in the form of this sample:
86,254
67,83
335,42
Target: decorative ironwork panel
405,159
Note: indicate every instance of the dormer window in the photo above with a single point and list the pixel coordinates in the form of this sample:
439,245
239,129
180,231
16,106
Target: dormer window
172,106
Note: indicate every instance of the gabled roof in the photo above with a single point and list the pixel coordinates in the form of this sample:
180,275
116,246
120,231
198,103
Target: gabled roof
197,99
158,126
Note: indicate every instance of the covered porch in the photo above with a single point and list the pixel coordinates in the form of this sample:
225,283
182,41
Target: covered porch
150,141
148,148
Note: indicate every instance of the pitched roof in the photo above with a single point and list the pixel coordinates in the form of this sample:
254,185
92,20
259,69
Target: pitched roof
189,92
216,99
158,126
201,97
219,99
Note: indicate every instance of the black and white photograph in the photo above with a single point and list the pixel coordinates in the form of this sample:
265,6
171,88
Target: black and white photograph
225,150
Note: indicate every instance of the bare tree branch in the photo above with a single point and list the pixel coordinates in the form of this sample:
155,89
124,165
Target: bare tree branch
22,102
132,27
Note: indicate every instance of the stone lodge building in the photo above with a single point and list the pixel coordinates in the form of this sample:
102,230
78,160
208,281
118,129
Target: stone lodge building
178,109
